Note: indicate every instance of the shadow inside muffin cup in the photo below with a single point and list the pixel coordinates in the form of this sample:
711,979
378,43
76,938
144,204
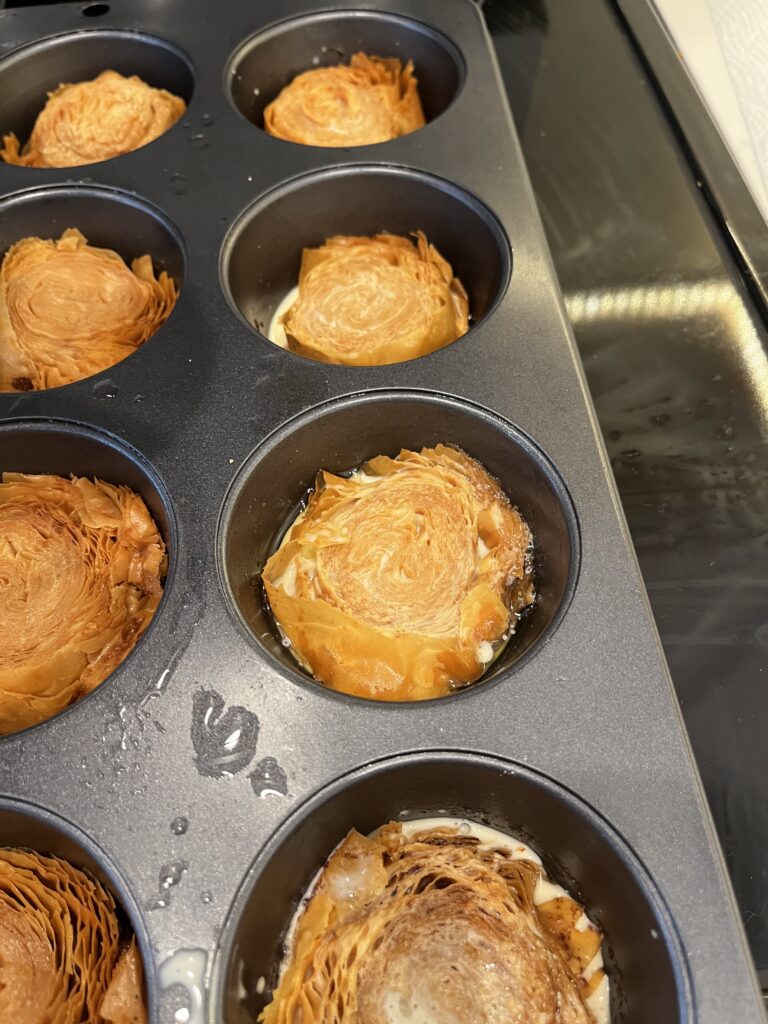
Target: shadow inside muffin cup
24,825
261,255
339,436
28,74
108,219
58,447
580,851
264,64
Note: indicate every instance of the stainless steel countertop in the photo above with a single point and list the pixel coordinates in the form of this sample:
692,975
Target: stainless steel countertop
675,354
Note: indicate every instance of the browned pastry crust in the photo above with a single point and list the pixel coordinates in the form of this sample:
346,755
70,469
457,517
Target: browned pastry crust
370,301
401,582
82,565
434,923
372,99
69,310
87,122
62,958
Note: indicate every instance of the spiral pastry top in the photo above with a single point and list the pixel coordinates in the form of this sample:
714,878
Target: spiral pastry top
62,956
81,570
87,122
403,581
69,310
436,927
370,301
372,99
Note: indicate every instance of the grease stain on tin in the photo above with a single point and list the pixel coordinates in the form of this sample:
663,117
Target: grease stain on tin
182,981
224,740
268,778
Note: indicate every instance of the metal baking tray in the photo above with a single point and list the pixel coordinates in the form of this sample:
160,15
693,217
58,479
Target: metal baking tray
208,778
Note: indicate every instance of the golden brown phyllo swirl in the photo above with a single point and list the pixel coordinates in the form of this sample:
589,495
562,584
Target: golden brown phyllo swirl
402,581
81,570
69,310
435,926
87,122
370,301
372,99
64,958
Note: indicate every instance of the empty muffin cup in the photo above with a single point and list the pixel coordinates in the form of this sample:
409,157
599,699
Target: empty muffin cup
28,74
360,201
270,60
87,568
343,434
579,850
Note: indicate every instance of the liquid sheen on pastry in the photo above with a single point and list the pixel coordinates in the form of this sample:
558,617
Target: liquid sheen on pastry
63,959
372,99
404,580
69,310
430,923
81,571
371,301
87,122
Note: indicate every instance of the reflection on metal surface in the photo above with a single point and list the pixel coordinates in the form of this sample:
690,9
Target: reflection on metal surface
663,305
675,358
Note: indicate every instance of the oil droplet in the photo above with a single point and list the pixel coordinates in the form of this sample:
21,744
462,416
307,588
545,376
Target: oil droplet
105,389
631,453
268,778
726,432
206,119
465,828
171,874
198,141
179,183
224,741
179,826
206,896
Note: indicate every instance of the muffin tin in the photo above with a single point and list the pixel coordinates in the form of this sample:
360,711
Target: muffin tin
208,778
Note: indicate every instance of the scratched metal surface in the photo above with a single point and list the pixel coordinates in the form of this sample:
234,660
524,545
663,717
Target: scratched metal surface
144,765
675,356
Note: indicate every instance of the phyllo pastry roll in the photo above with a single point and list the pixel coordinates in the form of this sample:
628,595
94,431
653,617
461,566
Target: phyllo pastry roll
370,301
438,927
82,566
404,580
372,99
87,122
64,957
69,310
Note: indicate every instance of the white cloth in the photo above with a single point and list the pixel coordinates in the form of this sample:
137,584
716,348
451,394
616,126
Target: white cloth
724,44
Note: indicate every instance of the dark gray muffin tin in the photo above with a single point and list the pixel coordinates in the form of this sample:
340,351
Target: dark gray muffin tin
208,778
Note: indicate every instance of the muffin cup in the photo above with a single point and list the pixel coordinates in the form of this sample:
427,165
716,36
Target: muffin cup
270,486
580,851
